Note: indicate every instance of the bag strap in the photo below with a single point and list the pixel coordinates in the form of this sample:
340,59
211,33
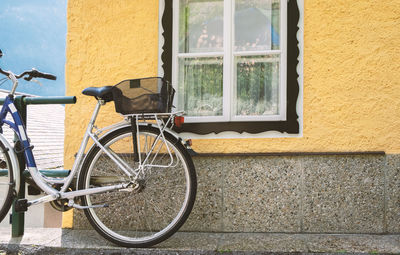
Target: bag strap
134,139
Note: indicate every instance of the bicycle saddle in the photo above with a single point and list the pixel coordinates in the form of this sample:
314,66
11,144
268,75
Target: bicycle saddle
103,93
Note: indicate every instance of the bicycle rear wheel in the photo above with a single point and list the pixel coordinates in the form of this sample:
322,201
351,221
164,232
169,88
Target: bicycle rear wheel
157,207
6,182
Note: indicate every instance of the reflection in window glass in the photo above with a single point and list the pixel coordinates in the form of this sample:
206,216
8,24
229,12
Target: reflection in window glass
257,85
256,25
200,86
201,26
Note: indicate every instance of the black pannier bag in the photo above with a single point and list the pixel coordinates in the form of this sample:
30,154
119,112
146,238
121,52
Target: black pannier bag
146,95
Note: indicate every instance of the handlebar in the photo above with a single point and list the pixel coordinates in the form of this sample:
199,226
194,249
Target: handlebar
30,74
36,74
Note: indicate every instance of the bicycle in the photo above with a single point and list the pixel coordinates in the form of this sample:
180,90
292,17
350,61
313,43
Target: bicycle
137,182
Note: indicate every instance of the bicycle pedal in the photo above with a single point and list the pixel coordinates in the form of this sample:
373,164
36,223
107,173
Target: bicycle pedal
21,205
3,164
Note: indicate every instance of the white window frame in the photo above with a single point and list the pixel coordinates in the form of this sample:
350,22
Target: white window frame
228,66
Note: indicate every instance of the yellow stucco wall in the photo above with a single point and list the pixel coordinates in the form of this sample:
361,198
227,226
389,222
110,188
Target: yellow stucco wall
351,76
107,41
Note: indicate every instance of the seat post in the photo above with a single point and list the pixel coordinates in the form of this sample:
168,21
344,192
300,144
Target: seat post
79,155
100,102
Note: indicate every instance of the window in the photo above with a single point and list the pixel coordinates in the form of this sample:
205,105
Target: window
233,63
228,61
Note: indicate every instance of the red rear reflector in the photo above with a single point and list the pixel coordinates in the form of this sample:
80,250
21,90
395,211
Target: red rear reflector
179,120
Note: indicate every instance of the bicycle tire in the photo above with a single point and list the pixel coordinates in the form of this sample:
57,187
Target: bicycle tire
6,182
131,222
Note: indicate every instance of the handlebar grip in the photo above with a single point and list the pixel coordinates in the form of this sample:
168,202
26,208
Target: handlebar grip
37,74
48,76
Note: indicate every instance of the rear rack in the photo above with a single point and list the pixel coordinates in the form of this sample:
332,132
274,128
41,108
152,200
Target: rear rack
152,116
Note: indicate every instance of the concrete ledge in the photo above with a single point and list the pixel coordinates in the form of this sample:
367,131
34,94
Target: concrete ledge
297,194
306,193
67,241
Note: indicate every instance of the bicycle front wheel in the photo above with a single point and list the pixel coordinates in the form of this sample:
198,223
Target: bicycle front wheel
159,203
6,182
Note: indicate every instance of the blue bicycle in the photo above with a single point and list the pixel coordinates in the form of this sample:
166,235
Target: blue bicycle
136,184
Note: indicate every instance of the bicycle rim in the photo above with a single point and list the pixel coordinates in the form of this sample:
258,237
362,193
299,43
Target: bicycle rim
161,203
6,179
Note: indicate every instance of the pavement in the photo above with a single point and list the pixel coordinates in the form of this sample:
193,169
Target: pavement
70,241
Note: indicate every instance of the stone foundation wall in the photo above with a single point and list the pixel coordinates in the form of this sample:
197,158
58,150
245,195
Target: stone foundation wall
292,194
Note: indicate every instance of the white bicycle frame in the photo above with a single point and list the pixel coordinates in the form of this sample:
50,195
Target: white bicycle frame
53,194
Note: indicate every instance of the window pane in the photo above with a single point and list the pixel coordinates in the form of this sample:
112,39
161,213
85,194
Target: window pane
257,85
257,25
200,86
201,26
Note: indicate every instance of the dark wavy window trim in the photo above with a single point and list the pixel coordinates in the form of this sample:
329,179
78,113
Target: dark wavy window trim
291,125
